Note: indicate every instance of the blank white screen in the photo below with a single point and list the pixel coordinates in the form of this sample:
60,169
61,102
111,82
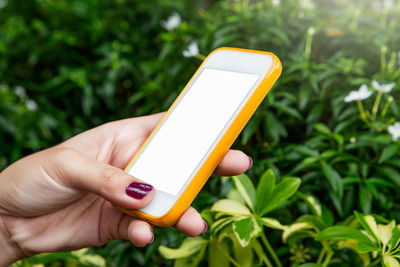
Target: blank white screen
185,137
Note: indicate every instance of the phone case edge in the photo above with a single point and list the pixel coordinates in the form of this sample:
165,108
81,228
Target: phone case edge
198,181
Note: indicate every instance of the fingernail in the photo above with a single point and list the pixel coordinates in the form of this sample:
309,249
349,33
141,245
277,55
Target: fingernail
151,241
138,190
205,227
251,162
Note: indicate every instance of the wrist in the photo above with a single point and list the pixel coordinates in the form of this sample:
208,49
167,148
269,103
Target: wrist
9,251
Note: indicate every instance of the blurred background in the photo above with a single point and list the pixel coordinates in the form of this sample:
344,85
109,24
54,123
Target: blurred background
68,66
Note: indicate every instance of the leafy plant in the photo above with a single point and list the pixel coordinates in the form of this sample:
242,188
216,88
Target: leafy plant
76,258
67,66
379,241
241,221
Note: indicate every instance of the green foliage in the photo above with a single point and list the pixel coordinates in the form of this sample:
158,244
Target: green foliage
81,257
235,228
67,66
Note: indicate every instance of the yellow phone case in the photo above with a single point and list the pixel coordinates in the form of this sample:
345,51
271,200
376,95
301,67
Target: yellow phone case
193,188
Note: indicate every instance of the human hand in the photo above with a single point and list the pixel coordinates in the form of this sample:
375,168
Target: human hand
60,198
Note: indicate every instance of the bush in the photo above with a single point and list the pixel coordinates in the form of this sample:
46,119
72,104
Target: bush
66,66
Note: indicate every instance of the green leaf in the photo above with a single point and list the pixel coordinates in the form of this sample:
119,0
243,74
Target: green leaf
304,95
273,223
243,255
315,113
369,224
288,110
188,247
312,202
216,258
258,249
385,232
322,128
264,189
395,239
334,178
232,207
218,225
250,129
92,260
274,127
390,173
313,220
339,139
388,152
191,261
305,150
329,153
342,232
327,215
246,229
390,261
365,199
379,181
246,189
281,192
47,258
310,265
343,125
337,203
364,247
294,228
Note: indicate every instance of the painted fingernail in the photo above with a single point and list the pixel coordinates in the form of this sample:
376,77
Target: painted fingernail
205,227
138,190
251,163
151,241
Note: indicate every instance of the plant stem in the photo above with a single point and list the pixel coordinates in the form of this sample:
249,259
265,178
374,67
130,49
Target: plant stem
329,253
375,262
321,256
267,262
200,57
307,48
362,111
385,108
383,57
270,250
232,260
376,105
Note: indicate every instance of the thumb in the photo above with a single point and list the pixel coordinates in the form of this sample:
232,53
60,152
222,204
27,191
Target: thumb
79,171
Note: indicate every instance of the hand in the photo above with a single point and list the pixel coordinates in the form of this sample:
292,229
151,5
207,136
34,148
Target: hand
60,198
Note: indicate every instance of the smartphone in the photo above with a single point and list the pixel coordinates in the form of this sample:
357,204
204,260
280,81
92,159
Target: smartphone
189,142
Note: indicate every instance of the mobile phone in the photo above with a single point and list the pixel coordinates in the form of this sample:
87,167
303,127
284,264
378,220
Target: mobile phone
189,142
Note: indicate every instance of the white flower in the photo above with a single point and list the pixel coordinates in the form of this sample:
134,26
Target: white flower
31,104
19,91
3,3
388,4
172,22
276,2
384,88
307,4
361,94
192,50
394,130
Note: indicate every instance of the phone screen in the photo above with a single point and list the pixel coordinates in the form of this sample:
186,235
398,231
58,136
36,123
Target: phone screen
192,128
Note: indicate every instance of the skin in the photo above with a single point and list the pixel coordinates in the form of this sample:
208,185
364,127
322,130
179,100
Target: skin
59,199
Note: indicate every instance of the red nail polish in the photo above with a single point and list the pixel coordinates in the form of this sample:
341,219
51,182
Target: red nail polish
205,227
251,163
138,190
